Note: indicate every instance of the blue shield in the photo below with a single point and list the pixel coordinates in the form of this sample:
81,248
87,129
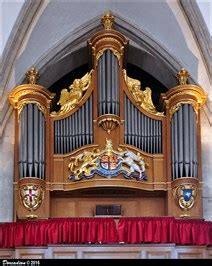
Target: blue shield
187,193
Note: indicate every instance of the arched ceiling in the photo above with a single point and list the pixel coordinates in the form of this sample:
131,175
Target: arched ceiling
10,10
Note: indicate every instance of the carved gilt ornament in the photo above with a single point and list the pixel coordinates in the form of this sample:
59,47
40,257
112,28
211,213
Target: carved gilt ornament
108,122
25,102
177,106
183,76
142,98
185,196
107,20
115,52
70,98
107,163
32,76
31,196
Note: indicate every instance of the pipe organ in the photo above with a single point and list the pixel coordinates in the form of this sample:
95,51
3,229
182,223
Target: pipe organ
107,134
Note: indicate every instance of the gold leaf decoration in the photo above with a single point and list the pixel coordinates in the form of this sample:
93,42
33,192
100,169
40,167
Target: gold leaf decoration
142,98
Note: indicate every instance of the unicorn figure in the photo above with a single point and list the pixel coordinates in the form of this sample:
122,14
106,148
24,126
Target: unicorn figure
135,163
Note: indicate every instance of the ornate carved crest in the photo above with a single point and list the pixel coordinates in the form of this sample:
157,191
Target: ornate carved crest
107,163
31,196
185,195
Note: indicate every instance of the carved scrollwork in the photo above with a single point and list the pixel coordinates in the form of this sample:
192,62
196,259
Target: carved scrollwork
115,52
177,106
24,103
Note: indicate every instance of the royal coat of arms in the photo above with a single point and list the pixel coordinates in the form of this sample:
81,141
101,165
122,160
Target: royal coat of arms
107,163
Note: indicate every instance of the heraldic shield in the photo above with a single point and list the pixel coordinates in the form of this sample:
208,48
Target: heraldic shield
31,196
185,196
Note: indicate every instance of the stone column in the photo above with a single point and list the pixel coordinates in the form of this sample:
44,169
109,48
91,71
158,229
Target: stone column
206,132
7,171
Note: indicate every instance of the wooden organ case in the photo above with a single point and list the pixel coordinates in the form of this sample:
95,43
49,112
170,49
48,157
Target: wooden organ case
107,144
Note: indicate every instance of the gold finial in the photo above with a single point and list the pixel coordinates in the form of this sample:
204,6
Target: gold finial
183,76
32,76
109,146
107,20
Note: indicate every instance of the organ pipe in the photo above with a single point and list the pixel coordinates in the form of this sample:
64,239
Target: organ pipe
184,142
108,84
142,131
74,131
32,142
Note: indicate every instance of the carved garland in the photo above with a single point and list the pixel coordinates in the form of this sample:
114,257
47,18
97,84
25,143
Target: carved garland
24,103
115,52
176,107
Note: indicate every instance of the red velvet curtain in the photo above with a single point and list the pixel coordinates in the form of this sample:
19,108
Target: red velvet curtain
164,230
145,230
193,232
132,230
58,231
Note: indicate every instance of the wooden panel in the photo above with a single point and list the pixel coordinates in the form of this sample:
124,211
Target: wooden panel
63,207
64,255
209,253
145,251
6,254
159,175
152,207
111,255
30,253
62,252
160,254
191,253
85,207
157,251
58,170
195,212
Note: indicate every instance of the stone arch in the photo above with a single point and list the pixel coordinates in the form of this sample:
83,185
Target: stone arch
144,51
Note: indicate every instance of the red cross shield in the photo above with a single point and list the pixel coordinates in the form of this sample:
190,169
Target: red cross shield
31,196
